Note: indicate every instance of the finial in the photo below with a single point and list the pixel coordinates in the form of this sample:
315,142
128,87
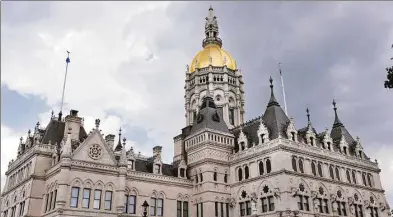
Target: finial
21,139
271,82
210,8
308,115
38,124
29,132
124,141
187,68
52,115
334,105
97,123
60,114
119,131
337,121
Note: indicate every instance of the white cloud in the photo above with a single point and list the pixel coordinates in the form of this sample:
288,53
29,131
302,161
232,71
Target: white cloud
108,69
9,149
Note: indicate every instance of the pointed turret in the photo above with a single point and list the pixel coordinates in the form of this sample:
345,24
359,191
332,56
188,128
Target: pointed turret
67,147
339,130
274,117
119,147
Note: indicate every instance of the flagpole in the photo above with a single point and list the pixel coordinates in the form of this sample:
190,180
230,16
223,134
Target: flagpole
65,79
283,89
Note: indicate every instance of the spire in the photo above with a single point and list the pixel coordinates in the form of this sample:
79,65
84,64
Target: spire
119,146
123,155
308,117
337,122
60,115
211,30
272,101
283,89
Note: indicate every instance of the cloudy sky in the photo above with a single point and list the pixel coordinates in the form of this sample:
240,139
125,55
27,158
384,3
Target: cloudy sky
128,66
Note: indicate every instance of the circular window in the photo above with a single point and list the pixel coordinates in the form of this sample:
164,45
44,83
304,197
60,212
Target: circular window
95,152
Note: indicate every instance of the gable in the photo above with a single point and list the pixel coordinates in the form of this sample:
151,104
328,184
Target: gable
94,149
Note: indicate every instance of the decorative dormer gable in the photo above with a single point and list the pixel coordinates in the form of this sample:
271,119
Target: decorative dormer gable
344,147
123,155
66,149
359,149
242,141
131,159
291,130
182,168
263,133
95,149
157,160
327,140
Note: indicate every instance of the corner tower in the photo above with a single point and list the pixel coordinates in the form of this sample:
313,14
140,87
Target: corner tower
215,67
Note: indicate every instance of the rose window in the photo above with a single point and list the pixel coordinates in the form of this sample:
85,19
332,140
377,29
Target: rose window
95,151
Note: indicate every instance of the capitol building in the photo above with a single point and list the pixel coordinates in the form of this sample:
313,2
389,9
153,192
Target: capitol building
223,166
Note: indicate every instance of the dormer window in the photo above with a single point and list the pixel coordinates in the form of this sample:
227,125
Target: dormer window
345,150
312,141
262,138
360,154
182,172
242,145
329,145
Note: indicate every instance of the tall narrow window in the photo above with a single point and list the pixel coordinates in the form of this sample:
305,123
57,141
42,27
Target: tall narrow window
50,200
246,172
364,179
264,204
160,207
153,202
294,164
227,209
74,197
242,208
97,199
216,208
185,209
338,174
313,169
268,166
226,178
331,172
270,199
131,204
293,136
125,203
320,169
46,202
54,199
261,169
222,209
201,177
354,176
86,198
202,209
369,180
108,200
232,116
301,166
240,174
248,207
179,209
21,208
312,141
215,176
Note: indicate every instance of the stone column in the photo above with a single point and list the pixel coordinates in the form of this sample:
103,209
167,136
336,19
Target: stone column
120,189
63,182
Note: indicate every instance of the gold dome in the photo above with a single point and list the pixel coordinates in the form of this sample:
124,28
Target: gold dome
219,58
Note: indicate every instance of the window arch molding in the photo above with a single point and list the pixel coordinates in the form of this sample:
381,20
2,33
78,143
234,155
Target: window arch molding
340,201
321,200
356,204
371,205
243,199
303,195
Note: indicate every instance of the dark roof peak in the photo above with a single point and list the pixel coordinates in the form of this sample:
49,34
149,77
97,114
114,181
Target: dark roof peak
337,122
273,100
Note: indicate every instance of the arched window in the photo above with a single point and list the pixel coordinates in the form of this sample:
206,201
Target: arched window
331,172
215,176
261,169
358,205
246,172
226,177
373,208
267,199
301,165
313,169
322,201
320,169
348,176
244,204
130,202
354,176
268,166
232,116
201,177
240,174
341,203
303,198
294,166
196,179
338,174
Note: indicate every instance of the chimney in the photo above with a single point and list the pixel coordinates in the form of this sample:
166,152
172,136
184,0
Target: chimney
73,121
110,140
157,150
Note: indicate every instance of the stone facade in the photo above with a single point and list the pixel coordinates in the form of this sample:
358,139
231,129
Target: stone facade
222,167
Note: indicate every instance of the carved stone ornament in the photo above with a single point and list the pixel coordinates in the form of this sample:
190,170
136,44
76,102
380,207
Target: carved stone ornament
277,193
350,200
314,194
382,206
199,118
294,191
95,152
253,196
367,203
232,202
333,197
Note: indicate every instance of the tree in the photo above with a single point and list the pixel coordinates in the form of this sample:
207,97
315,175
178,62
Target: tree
389,81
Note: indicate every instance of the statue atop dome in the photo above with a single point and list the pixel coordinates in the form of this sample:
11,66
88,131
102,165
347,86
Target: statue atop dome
211,30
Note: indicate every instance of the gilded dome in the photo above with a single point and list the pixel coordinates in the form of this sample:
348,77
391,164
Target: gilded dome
219,58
